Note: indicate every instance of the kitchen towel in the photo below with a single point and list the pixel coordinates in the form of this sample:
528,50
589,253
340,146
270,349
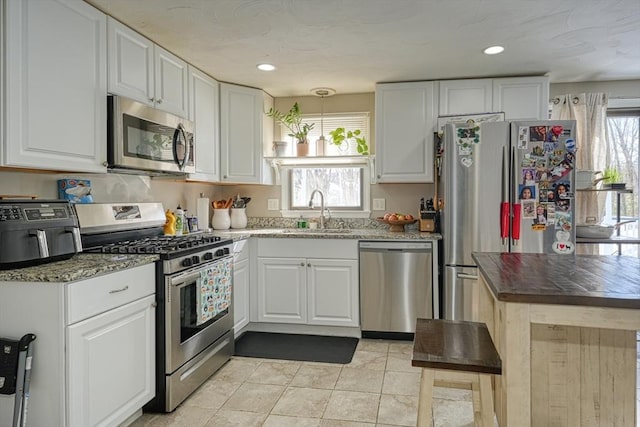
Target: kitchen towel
214,290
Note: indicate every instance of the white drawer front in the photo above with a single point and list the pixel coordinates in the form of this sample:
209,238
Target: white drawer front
94,296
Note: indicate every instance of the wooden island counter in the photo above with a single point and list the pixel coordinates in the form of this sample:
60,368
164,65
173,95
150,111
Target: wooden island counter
565,328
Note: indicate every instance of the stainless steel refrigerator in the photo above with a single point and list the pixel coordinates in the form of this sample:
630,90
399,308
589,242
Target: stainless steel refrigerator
508,187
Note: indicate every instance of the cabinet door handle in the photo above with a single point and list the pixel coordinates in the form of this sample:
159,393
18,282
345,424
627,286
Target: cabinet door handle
302,264
308,264
159,101
115,291
152,99
154,304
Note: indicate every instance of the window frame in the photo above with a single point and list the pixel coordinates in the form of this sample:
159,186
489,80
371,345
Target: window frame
286,195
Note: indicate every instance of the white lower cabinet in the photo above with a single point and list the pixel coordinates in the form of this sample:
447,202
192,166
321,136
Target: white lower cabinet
241,279
282,290
94,353
320,288
111,377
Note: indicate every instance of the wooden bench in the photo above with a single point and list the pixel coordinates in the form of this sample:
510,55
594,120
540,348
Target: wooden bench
455,354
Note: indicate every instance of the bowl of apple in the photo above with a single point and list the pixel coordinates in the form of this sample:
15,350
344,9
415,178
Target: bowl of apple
397,221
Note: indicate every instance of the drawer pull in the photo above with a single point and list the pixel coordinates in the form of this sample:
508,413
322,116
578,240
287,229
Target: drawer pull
115,291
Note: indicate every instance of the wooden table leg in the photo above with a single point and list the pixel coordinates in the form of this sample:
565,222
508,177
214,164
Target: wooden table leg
425,400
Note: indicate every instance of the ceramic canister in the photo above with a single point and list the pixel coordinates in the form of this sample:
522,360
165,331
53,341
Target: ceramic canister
220,219
238,218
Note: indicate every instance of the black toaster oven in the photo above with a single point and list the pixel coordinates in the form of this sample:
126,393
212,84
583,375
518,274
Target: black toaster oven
37,231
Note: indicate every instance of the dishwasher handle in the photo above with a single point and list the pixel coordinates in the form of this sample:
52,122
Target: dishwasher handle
388,246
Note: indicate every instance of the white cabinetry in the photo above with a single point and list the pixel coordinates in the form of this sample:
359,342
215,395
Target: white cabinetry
405,117
144,71
319,286
55,84
204,98
242,134
466,96
241,279
94,356
520,98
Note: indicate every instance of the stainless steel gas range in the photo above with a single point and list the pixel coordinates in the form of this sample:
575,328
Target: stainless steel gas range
194,328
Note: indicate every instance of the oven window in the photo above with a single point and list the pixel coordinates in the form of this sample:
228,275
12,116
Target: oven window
189,312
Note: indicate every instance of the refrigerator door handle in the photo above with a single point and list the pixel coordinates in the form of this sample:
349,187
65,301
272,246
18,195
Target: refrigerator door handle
467,276
504,206
516,207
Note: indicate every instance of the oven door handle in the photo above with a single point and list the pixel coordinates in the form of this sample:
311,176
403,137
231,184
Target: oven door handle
184,278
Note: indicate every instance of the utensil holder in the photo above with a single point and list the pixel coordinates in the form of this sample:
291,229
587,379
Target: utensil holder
238,218
221,219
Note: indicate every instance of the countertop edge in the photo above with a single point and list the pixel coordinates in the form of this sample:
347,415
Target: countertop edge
81,266
484,260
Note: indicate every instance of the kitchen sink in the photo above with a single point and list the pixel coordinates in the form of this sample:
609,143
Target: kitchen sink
318,230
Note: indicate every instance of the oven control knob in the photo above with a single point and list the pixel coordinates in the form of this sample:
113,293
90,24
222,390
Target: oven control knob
195,259
219,252
226,251
208,256
186,262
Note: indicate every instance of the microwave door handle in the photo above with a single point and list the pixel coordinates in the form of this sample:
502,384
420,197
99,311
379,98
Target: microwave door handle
180,131
42,242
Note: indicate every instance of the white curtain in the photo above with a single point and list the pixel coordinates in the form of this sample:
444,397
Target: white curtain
589,110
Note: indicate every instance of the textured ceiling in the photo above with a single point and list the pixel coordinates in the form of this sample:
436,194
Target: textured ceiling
349,45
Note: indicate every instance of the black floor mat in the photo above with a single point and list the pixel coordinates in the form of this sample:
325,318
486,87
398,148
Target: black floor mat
308,348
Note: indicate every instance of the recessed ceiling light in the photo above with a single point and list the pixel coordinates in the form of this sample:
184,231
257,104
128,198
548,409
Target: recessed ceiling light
492,50
266,67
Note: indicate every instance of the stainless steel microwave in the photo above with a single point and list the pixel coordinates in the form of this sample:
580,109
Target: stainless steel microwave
143,138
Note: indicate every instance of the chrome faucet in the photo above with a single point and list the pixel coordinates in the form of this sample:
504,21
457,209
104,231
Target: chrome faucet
313,193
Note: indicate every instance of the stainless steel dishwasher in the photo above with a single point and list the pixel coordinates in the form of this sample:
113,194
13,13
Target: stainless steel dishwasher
397,281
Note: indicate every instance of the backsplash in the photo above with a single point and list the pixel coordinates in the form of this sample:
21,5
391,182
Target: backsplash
350,223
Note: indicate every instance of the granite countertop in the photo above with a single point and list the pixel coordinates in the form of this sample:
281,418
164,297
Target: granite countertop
332,233
588,280
79,267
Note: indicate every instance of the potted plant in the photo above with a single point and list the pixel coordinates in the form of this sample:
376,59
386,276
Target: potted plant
341,136
292,120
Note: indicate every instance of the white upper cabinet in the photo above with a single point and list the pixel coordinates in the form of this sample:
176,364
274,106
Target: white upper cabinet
55,86
144,71
242,120
465,96
204,96
522,98
405,117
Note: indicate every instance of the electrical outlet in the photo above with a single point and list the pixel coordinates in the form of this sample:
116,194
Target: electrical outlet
272,204
378,204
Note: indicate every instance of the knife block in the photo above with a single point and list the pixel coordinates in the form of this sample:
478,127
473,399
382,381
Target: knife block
427,221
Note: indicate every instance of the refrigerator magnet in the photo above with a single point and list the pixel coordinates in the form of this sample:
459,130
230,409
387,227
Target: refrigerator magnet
551,214
563,220
541,216
528,209
527,192
538,133
466,161
523,137
563,247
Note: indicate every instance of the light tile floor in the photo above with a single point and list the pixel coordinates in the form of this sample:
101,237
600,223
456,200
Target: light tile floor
378,388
